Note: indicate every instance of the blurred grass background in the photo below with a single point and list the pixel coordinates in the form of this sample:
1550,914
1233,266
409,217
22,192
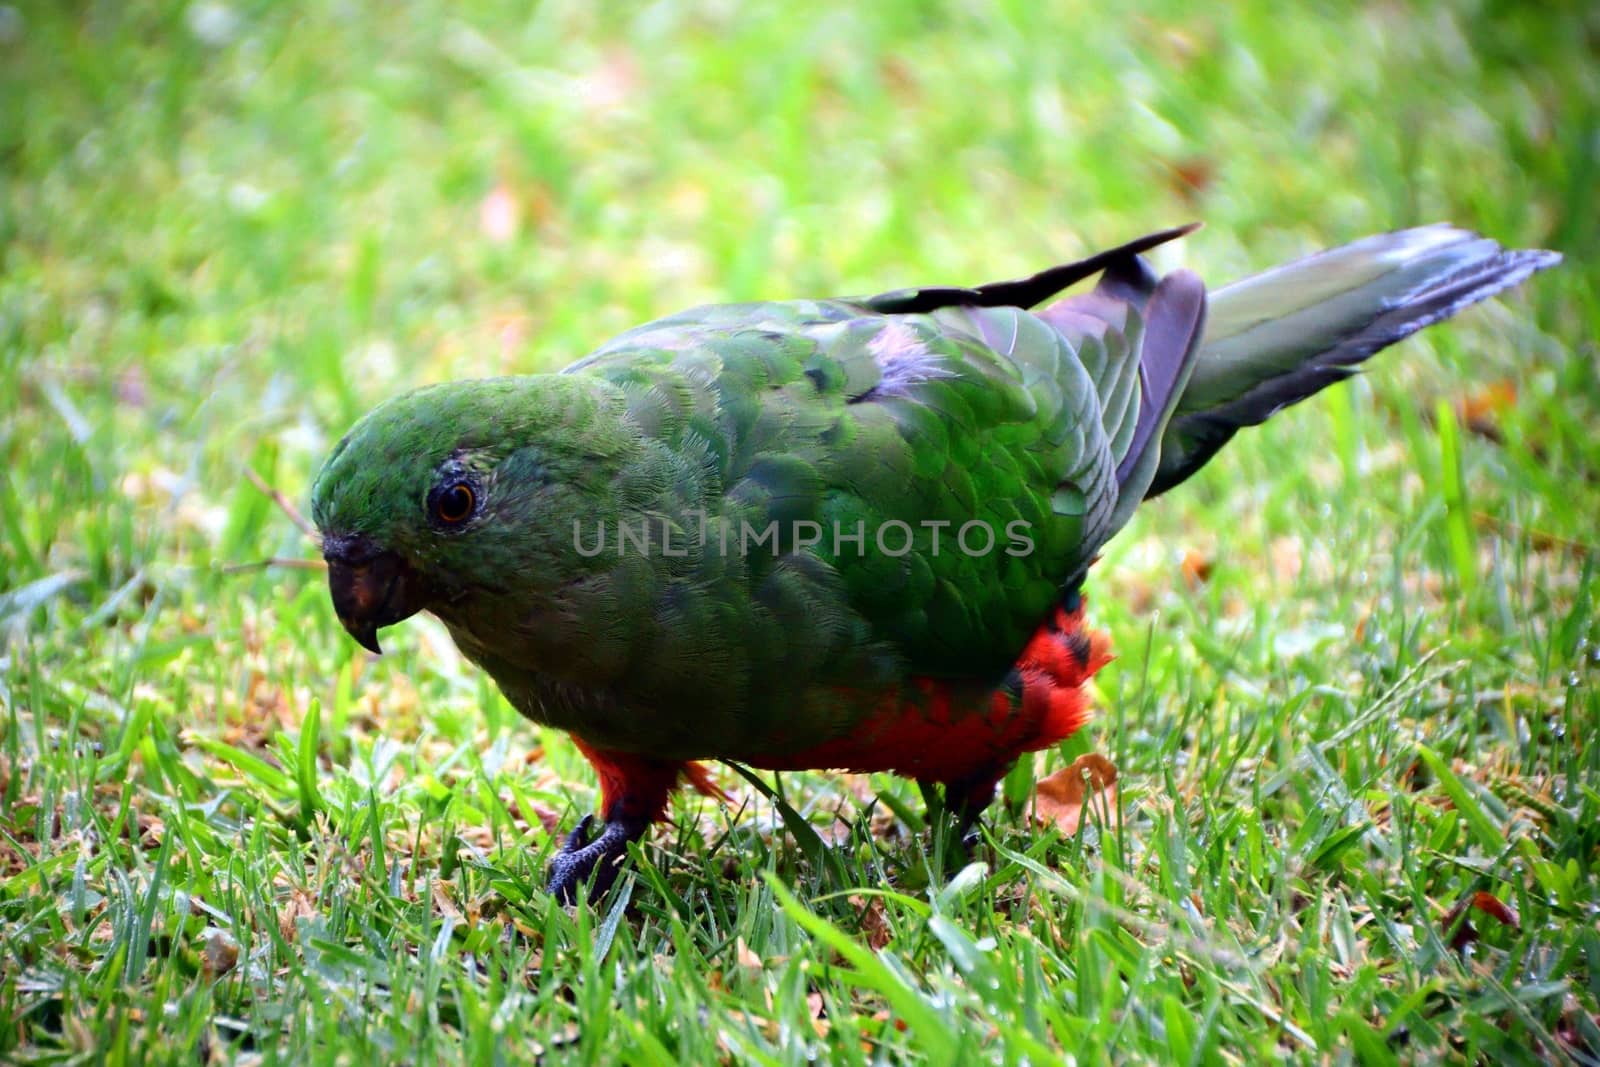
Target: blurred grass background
1356,690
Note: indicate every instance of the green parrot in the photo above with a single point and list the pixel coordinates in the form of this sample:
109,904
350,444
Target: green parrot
846,533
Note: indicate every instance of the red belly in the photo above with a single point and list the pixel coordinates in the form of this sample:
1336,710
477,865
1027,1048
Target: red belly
943,730
930,729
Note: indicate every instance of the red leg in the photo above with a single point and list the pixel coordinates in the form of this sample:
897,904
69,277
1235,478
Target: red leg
634,787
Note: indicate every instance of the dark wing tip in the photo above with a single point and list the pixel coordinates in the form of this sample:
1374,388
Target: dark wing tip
1023,292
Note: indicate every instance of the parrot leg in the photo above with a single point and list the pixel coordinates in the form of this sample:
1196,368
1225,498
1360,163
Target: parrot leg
966,798
633,794
602,857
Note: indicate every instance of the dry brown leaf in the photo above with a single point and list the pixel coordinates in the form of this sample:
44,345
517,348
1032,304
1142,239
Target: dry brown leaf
1190,178
1497,909
443,902
1481,901
1195,568
301,905
1089,782
12,862
747,959
874,923
1480,411
1359,634
151,830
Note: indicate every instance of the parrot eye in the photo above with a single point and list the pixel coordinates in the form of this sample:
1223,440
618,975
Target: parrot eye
453,504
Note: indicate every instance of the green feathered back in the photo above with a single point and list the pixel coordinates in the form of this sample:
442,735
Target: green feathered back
905,426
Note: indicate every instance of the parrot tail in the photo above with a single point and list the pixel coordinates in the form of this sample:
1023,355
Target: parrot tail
1278,337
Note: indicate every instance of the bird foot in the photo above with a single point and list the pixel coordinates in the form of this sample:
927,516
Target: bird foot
602,857
960,811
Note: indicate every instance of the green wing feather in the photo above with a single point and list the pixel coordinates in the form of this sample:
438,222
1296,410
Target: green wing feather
904,426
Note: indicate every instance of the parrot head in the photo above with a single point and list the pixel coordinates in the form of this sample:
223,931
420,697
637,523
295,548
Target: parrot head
457,496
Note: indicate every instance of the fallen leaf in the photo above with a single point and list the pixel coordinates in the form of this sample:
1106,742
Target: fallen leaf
301,905
151,830
1481,901
747,959
442,901
1190,178
1195,568
1480,411
1359,634
1497,909
1090,781
874,923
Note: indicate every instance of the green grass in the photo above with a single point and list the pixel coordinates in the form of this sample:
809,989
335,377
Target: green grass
225,832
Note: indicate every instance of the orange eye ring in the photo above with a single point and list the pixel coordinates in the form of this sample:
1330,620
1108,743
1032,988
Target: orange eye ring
455,504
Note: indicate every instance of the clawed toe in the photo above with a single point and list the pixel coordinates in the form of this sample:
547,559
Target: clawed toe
580,858
579,836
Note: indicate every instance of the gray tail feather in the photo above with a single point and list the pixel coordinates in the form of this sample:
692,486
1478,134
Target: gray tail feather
1275,339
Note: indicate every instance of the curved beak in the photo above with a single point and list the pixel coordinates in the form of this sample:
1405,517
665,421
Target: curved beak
371,587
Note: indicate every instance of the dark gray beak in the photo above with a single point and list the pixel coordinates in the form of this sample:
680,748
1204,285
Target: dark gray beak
371,587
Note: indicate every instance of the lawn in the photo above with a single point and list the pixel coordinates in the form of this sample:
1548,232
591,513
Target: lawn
1358,684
